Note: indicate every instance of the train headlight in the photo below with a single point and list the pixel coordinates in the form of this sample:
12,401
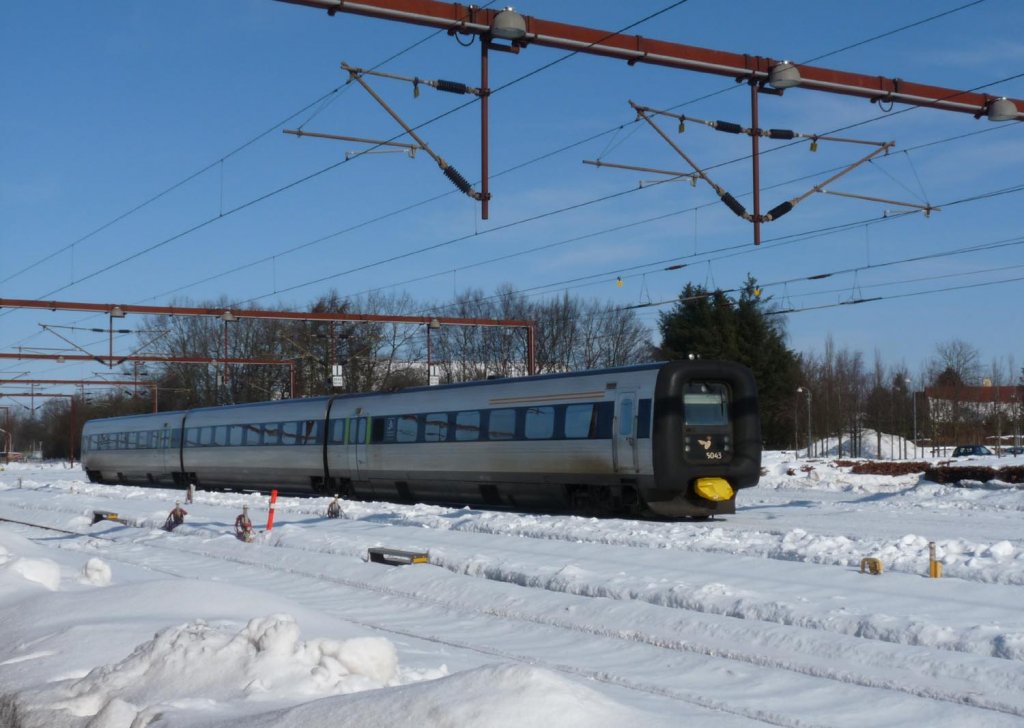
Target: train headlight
714,489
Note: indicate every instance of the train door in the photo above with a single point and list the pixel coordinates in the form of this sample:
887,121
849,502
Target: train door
168,457
357,437
624,437
169,447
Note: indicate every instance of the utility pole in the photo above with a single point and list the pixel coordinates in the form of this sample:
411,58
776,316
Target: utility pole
807,391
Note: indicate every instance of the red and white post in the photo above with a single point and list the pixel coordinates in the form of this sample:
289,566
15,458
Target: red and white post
270,516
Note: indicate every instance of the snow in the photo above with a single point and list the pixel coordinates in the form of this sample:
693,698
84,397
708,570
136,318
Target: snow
763,617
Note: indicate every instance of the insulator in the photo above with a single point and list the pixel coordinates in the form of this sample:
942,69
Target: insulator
728,126
778,211
452,87
677,266
457,179
781,134
733,204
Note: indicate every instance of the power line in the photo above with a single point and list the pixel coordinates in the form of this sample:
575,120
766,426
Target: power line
521,221
316,174
417,204
324,100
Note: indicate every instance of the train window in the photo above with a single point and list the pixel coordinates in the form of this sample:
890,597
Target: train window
435,427
205,436
407,428
626,417
309,433
540,423
176,437
252,434
383,429
580,421
502,425
289,433
706,404
271,434
220,436
643,418
236,434
467,426
605,415
337,431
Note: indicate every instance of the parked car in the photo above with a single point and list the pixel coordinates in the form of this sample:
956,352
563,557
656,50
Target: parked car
963,451
1014,450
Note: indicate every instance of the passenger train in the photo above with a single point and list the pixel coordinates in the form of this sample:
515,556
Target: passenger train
669,439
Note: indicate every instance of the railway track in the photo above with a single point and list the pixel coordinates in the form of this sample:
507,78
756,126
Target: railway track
691,645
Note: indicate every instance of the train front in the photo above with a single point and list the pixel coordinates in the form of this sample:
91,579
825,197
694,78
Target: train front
706,438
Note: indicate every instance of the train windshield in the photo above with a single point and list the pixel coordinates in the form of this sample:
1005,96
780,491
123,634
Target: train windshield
706,404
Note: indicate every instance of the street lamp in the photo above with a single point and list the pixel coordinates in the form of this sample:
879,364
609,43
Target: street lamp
807,391
913,396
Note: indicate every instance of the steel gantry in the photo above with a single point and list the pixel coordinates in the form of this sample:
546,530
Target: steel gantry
234,314
82,383
763,74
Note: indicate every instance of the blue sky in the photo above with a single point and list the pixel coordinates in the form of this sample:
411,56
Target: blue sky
108,105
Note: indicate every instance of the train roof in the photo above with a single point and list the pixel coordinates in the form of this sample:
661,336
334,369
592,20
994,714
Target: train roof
407,390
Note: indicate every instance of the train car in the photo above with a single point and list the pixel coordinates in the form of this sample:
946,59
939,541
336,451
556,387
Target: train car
670,439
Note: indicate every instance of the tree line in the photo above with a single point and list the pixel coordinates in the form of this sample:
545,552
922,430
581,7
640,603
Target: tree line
835,396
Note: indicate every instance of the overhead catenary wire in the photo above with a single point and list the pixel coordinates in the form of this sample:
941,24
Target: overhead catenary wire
334,91
968,5
323,101
313,175
534,249
260,199
457,239
745,249
857,223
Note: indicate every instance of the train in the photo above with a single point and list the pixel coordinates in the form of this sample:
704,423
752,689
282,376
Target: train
674,439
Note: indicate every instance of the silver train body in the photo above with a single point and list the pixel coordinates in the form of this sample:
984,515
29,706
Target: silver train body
671,439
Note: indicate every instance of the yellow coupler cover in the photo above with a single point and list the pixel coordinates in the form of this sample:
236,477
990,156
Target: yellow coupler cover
714,489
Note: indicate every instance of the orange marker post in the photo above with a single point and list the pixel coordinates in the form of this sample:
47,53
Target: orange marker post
270,516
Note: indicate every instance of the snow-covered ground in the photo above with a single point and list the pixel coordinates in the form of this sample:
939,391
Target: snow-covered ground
763,617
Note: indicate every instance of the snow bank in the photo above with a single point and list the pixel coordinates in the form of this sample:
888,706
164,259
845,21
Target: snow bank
201,674
498,696
199,664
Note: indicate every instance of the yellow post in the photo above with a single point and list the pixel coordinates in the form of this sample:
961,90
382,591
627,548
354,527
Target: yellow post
934,566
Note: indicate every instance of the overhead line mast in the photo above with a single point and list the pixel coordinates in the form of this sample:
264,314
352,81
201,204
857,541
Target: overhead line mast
763,74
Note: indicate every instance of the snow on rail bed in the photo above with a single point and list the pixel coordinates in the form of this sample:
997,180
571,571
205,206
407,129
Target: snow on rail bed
761,617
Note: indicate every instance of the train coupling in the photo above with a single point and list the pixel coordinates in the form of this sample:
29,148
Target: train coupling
714,489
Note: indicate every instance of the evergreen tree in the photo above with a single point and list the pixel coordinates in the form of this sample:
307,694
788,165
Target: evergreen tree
711,325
